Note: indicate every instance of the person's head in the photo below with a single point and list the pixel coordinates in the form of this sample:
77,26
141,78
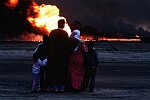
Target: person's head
45,38
76,25
61,23
75,34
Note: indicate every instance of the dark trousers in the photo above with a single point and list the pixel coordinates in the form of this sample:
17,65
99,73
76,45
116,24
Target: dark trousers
89,79
42,77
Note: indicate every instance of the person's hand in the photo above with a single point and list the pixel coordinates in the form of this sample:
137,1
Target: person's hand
45,60
82,41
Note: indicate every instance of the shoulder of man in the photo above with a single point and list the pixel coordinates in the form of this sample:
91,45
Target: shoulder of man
58,30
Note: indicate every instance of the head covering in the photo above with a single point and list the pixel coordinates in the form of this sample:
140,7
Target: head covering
75,34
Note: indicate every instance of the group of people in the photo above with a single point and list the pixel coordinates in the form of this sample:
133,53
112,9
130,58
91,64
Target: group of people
63,63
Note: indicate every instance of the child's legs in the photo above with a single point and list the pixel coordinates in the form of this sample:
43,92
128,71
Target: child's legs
61,87
35,83
92,79
86,78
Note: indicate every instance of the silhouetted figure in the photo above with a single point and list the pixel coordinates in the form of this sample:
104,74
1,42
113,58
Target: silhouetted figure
76,61
57,58
76,25
39,68
91,66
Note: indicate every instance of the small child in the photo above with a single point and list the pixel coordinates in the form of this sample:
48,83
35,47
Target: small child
91,66
36,73
39,68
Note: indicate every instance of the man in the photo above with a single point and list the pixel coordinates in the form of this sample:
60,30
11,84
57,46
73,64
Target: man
58,57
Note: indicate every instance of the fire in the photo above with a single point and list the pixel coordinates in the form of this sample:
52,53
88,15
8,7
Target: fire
47,18
11,3
31,36
119,39
137,36
90,38
43,18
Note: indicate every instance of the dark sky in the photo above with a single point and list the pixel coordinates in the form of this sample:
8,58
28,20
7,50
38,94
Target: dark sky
98,12
107,16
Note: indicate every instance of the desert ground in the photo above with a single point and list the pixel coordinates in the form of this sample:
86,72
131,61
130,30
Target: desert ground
124,71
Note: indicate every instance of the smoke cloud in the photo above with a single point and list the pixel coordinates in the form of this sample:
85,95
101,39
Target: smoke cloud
128,17
106,15
13,20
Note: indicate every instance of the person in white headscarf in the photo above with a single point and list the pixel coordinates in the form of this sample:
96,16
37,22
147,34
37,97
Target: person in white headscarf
76,61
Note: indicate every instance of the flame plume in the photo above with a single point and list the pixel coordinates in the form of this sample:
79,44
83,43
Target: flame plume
46,18
11,3
39,19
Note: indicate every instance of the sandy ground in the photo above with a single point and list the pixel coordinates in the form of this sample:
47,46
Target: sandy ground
123,74
107,52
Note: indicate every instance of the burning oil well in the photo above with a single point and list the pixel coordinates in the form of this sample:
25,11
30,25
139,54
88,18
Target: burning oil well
25,20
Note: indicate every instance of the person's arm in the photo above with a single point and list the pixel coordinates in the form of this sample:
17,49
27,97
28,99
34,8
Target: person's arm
36,53
39,62
44,62
84,48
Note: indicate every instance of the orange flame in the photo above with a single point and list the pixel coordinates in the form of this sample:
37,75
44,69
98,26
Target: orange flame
90,38
47,18
11,3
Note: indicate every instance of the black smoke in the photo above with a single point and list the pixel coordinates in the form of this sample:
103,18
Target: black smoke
111,17
107,15
13,21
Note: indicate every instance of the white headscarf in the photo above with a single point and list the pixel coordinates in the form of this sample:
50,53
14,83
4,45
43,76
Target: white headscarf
75,34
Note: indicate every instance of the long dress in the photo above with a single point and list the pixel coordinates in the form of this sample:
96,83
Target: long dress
76,66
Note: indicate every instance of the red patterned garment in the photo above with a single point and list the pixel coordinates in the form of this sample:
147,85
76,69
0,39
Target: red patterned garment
76,66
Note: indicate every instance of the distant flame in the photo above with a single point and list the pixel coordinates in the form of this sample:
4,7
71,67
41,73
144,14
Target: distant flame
26,37
47,18
11,3
31,36
90,38
137,36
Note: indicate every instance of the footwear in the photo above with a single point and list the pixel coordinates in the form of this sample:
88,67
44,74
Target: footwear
47,90
61,88
41,90
56,90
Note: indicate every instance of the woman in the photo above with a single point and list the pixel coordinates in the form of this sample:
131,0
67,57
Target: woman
76,61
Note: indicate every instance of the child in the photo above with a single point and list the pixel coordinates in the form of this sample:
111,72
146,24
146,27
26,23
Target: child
39,70
91,66
36,73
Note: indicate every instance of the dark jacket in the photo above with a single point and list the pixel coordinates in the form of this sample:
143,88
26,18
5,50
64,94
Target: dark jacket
40,52
91,59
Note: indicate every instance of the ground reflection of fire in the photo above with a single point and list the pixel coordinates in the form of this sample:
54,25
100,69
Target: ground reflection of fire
119,39
90,38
